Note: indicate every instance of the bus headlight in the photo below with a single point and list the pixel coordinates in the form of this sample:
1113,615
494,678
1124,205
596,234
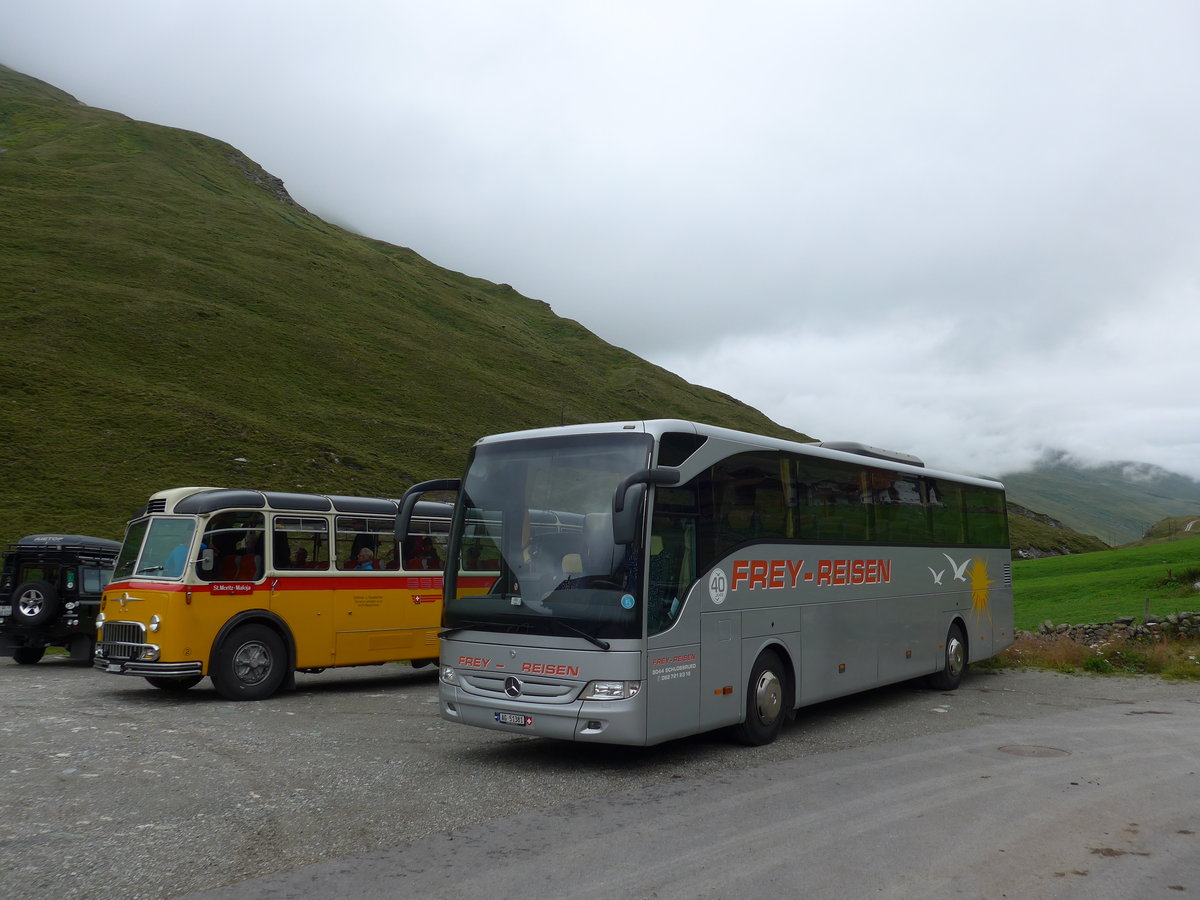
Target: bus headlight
100,620
155,621
448,676
610,690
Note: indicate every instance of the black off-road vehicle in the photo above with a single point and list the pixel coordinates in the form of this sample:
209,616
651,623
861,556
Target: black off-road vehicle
50,593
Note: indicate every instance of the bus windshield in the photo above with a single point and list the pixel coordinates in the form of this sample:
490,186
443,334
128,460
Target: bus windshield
537,522
163,552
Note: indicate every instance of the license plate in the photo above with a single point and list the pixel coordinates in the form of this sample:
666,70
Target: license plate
514,719
113,667
5,610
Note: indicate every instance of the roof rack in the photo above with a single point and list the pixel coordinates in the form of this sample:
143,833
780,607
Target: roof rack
874,452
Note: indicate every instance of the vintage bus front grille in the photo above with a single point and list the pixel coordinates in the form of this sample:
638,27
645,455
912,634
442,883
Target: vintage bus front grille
122,640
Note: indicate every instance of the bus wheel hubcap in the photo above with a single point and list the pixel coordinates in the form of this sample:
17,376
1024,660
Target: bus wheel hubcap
768,697
252,662
954,656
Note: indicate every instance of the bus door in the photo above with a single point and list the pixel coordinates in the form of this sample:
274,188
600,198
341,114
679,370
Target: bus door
301,586
380,612
673,651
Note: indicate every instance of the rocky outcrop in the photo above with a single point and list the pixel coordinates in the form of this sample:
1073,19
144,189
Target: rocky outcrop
264,179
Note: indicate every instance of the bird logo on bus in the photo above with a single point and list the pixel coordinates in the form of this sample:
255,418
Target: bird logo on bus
977,575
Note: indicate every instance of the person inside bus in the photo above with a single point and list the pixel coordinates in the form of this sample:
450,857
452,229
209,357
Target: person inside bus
430,555
250,563
423,555
365,559
226,564
173,567
282,549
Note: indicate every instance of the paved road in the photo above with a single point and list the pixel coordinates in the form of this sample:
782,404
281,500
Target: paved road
352,787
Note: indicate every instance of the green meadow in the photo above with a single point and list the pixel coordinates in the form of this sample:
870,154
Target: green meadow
1154,579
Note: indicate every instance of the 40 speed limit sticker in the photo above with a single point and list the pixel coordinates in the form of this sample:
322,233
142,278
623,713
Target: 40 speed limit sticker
718,586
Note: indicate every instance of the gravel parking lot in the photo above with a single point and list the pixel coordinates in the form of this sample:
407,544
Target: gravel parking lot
112,787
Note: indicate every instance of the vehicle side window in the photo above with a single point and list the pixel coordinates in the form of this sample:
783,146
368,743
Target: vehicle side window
236,539
301,542
367,545
425,548
831,501
92,581
40,572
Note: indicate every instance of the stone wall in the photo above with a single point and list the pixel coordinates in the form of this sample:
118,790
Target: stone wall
1126,628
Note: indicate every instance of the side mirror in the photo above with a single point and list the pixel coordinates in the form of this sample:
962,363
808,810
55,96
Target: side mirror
627,500
206,560
409,502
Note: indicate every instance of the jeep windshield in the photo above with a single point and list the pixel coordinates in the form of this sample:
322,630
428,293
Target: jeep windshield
155,548
535,528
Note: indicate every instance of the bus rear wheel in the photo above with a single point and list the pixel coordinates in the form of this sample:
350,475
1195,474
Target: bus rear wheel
956,661
768,695
249,664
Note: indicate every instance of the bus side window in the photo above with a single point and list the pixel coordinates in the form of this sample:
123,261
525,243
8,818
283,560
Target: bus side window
231,562
366,545
301,542
421,554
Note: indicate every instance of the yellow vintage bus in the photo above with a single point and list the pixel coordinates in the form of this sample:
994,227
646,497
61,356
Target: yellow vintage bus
248,587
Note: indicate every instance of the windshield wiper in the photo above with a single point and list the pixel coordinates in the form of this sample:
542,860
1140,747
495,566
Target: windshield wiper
518,627
599,642
510,627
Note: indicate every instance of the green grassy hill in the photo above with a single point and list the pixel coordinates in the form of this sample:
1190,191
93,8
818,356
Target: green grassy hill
1172,528
171,317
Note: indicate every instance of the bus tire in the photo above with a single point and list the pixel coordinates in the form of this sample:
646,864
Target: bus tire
35,603
28,656
174,685
767,697
956,662
250,663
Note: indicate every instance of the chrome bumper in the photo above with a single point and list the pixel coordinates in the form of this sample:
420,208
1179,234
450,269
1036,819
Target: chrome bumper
147,669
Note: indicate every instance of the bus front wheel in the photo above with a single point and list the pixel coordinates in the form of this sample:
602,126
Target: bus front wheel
767,696
957,663
249,664
174,685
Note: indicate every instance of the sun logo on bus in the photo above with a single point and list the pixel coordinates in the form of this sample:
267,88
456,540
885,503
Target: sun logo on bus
980,587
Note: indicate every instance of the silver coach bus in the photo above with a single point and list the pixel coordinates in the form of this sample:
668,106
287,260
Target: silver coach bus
642,581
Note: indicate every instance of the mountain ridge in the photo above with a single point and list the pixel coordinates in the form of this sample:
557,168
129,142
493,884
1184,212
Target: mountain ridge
1117,502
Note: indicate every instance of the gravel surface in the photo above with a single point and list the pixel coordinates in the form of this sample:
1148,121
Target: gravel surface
110,787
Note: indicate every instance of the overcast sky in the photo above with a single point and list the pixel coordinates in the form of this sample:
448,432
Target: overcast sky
965,230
